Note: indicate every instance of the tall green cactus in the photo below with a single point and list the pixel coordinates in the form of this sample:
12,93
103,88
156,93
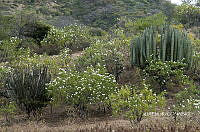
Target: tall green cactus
174,46
144,47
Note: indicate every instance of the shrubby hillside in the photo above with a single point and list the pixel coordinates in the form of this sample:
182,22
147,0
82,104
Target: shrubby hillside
99,65
95,13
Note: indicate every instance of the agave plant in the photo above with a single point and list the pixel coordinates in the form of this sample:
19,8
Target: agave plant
27,88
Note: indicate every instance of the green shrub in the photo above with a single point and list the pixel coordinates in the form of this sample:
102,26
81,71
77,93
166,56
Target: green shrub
97,32
10,50
36,30
80,89
73,37
5,26
27,87
112,54
146,22
54,63
7,108
4,70
187,14
135,104
53,42
78,37
196,62
166,72
187,100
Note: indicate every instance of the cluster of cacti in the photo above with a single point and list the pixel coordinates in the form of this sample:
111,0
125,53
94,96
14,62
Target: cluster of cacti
173,46
27,88
143,48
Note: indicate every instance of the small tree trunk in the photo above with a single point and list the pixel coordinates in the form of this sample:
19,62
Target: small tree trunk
6,117
51,108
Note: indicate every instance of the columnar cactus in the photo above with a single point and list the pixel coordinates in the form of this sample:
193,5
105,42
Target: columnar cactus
144,47
173,46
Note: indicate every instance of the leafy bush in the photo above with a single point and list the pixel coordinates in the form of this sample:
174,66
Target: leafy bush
10,49
5,26
166,72
7,108
187,100
146,22
112,54
135,104
78,37
80,89
97,32
196,62
187,14
73,37
36,30
54,63
53,42
27,88
4,70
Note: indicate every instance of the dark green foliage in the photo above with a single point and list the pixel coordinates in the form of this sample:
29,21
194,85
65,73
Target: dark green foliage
35,30
27,88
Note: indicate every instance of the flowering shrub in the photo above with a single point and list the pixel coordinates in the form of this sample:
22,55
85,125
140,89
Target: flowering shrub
52,62
10,49
166,72
78,37
113,54
82,88
73,37
134,104
187,100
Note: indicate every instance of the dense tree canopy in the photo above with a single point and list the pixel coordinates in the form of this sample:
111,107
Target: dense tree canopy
188,14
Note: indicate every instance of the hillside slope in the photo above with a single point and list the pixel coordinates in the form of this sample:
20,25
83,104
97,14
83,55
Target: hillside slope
96,13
